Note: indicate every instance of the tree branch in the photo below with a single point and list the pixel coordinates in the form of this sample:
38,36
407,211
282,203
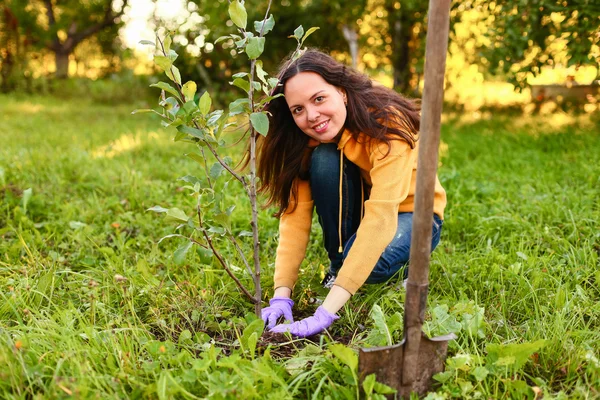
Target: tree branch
222,261
241,253
55,45
109,19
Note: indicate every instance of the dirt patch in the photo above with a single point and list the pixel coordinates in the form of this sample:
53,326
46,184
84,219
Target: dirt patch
14,190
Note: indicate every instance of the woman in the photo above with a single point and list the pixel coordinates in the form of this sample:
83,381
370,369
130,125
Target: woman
347,148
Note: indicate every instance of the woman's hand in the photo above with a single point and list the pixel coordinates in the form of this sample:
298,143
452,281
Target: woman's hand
308,326
323,318
278,307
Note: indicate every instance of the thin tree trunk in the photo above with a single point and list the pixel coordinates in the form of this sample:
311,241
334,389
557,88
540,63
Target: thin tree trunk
62,65
401,32
352,38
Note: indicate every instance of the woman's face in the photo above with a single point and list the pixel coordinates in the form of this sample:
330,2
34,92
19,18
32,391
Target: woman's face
318,108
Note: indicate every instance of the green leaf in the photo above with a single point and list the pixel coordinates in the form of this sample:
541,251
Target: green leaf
442,322
177,215
192,131
167,43
260,122
222,38
170,236
268,24
206,255
514,355
479,373
189,107
172,55
443,377
27,193
345,355
162,386
178,135
522,255
380,324
239,106
308,33
217,229
190,179
167,88
256,327
158,209
238,14
252,340
173,74
240,43
242,84
299,32
260,72
147,43
181,252
215,117
273,82
224,220
255,47
196,157
163,62
520,389
369,384
142,110
189,90
383,388
205,103
215,171
76,225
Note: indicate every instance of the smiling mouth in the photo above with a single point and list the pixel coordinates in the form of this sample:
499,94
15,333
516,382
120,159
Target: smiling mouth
321,127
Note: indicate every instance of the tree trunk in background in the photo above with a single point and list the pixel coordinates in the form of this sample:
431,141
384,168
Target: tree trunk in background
62,64
401,27
352,38
76,33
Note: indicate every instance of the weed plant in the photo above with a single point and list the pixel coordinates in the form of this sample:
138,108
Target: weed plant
91,306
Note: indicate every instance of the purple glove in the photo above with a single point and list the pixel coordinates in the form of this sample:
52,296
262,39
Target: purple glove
308,326
279,306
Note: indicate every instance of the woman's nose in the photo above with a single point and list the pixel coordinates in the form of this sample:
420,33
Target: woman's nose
313,114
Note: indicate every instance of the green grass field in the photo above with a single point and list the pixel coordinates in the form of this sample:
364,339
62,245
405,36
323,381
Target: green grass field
92,306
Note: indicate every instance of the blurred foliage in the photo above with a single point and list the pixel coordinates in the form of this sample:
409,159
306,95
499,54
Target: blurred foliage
512,41
524,36
57,27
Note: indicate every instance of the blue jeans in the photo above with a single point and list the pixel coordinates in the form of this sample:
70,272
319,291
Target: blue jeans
324,182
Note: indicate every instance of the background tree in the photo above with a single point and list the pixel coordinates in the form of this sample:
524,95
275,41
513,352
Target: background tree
12,48
60,26
526,36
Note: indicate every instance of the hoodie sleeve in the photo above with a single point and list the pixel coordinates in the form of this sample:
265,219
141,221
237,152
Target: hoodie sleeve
294,233
391,177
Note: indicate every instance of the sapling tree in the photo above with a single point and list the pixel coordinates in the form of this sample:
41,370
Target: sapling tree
203,127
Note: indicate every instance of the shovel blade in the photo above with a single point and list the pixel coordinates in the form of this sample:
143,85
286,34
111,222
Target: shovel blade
386,363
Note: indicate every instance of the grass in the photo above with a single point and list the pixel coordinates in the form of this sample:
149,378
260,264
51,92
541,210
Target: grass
92,307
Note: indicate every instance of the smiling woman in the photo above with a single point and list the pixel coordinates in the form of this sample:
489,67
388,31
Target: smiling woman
322,114
347,148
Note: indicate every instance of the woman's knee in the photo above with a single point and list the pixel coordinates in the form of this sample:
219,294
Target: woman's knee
325,165
325,156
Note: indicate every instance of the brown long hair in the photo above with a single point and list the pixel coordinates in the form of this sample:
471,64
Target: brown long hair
376,111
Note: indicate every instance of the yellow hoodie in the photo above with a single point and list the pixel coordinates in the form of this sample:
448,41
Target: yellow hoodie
391,179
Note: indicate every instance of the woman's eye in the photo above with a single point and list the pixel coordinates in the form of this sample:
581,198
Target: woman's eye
297,110
319,99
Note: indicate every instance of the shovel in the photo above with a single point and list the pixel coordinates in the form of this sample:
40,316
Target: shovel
410,366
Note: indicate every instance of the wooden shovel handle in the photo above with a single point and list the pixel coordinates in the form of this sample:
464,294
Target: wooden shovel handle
429,140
